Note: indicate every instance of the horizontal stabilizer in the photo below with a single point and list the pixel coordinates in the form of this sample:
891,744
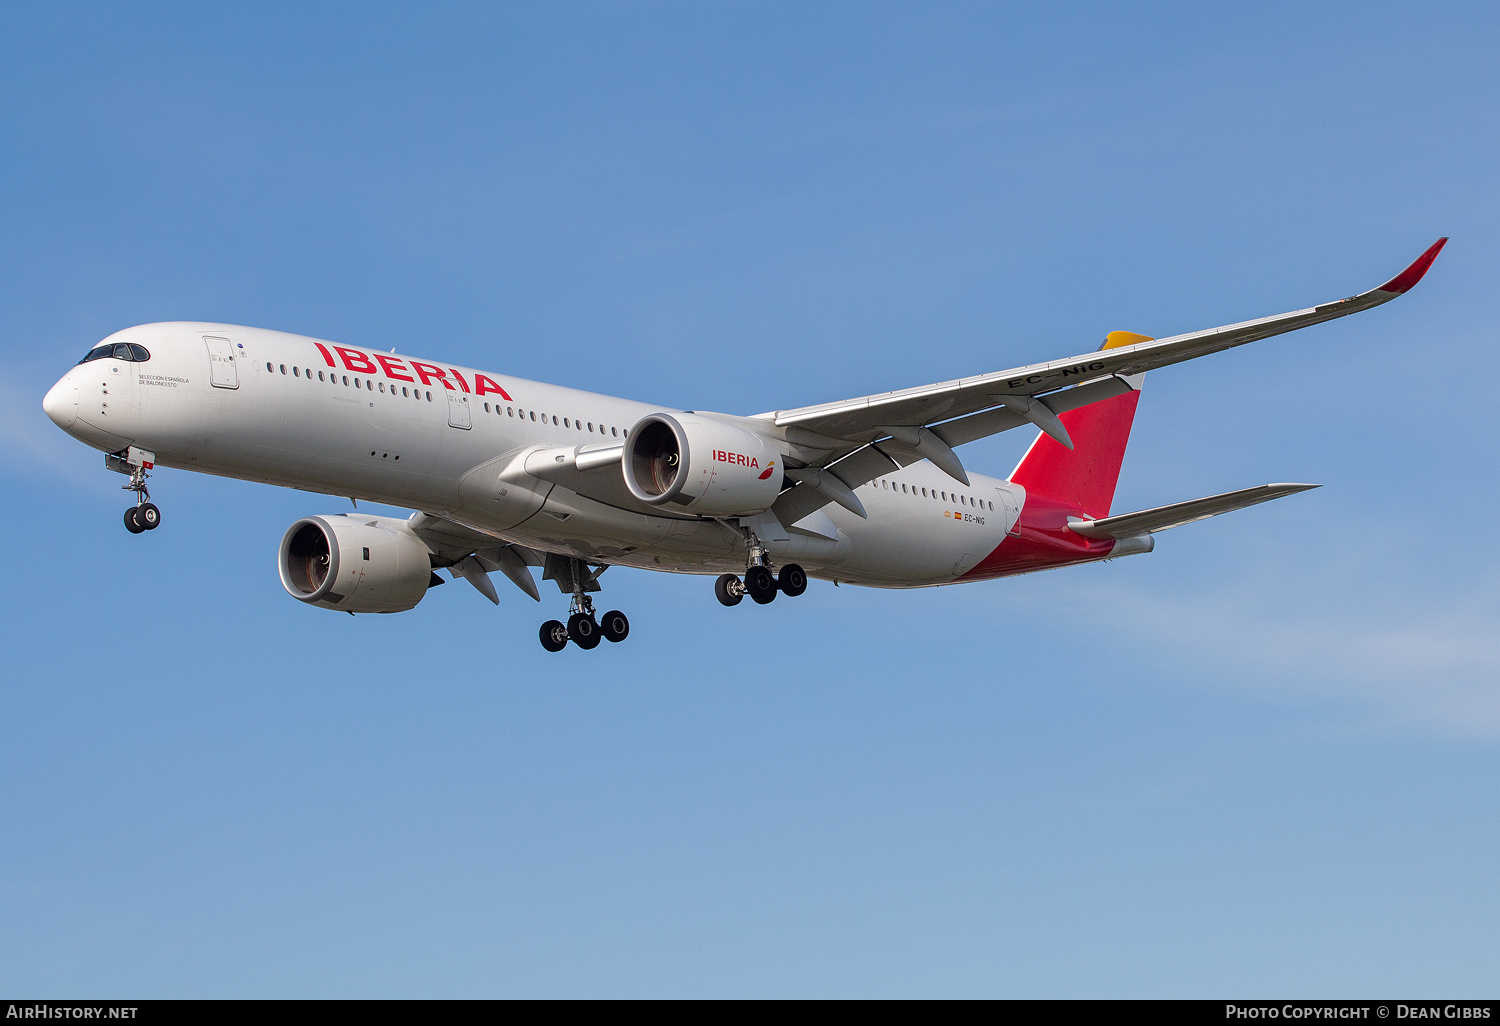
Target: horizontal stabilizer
1161,518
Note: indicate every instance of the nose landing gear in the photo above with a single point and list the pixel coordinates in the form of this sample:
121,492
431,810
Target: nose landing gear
583,628
143,516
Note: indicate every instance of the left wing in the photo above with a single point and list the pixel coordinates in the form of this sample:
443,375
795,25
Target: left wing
474,556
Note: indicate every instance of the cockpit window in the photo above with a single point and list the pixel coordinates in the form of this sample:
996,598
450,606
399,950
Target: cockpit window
127,351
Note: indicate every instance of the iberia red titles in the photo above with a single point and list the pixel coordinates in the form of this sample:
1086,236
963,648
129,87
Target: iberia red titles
393,368
739,459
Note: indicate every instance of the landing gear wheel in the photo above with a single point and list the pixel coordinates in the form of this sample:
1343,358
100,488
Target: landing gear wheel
148,516
554,636
132,521
614,625
792,580
583,631
760,585
728,590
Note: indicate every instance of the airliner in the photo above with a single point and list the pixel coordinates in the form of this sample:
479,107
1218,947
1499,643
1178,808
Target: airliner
507,475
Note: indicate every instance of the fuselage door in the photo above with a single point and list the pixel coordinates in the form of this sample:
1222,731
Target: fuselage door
1012,510
458,410
222,372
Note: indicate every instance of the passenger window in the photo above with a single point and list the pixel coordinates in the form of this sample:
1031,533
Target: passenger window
404,393
429,397
356,382
346,381
283,368
320,375
614,432
139,353
270,369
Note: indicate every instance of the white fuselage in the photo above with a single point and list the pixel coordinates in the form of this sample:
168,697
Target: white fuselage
452,441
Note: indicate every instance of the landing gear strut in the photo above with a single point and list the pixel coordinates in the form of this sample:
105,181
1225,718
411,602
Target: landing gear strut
583,628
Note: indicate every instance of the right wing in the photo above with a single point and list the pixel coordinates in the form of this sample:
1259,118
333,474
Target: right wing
857,440
1163,518
863,419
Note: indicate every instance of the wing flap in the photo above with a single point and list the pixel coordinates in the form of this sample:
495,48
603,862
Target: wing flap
1163,518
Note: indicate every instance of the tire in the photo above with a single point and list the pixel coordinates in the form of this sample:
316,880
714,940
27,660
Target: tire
554,636
792,580
760,585
132,524
728,590
614,625
148,516
583,631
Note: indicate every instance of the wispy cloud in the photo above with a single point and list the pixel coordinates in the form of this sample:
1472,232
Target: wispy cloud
1408,658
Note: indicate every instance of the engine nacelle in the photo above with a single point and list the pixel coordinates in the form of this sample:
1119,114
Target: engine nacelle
358,564
700,464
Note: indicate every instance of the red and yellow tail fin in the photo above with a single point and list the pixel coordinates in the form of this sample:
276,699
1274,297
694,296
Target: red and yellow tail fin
1085,475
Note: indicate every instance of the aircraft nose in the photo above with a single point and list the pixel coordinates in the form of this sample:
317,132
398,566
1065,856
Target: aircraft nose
61,402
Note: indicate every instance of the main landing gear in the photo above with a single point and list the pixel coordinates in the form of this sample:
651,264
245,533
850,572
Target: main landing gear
758,583
583,628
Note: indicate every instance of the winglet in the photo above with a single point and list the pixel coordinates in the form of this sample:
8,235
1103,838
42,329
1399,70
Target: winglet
1413,274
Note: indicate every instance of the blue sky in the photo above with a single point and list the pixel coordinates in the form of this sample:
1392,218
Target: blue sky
1260,761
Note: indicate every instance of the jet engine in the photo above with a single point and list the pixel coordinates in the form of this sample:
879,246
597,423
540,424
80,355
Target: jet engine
703,465
354,563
